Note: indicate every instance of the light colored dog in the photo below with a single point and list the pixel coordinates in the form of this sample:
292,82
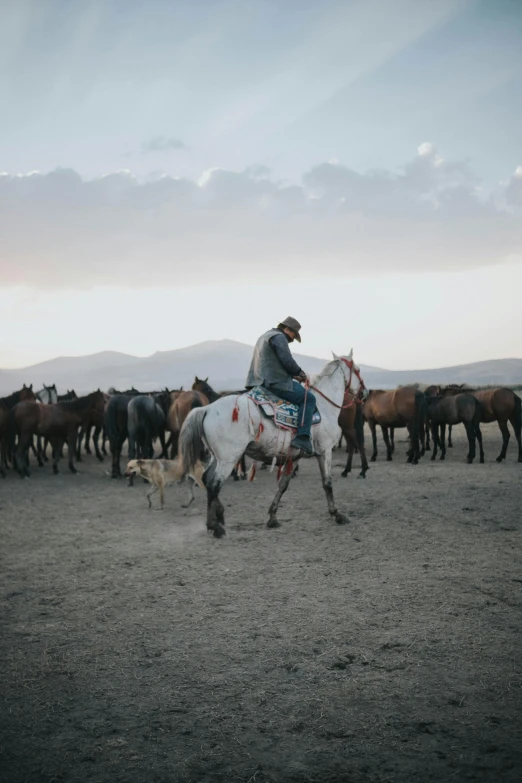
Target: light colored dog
160,472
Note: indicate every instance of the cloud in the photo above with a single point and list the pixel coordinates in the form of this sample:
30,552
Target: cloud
162,144
60,230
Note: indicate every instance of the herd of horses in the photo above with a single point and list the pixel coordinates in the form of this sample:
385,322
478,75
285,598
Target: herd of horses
141,418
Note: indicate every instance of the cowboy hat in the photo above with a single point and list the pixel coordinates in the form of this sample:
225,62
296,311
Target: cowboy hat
292,324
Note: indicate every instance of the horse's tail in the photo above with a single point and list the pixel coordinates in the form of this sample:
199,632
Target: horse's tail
191,438
111,422
517,415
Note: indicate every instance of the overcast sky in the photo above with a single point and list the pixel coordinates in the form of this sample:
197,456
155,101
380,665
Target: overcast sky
175,171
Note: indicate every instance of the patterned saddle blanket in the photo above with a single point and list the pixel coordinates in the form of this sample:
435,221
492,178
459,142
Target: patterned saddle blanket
283,413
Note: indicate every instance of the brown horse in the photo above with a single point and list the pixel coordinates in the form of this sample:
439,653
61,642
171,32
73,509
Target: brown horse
6,404
59,422
455,409
182,403
403,407
501,405
204,387
351,423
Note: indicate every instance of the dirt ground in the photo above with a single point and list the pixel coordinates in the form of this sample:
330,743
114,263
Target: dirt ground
135,647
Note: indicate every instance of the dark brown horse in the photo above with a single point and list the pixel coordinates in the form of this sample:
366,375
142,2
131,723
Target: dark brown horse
6,404
200,385
445,391
351,423
502,405
94,420
403,407
455,409
59,422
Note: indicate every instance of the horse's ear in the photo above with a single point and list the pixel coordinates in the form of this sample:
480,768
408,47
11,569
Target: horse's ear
196,379
336,358
206,379
350,355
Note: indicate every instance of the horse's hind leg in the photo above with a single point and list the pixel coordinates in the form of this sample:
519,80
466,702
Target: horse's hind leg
386,439
505,440
37,450
373,430
442,441
349,449
325,467
435,439
478,435
87,439
79,445
518,435
392,438
450,444
470,432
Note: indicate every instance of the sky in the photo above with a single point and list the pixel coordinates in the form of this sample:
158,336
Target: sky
172,172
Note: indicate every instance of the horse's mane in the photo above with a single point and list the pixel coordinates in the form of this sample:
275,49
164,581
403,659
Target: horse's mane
80,403
13,398
327,371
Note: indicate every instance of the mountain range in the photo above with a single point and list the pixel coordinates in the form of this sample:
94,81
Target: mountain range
225,362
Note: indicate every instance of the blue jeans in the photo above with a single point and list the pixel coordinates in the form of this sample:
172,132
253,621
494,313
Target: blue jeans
297,396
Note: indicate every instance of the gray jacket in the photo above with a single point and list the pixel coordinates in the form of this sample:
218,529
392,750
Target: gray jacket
272,363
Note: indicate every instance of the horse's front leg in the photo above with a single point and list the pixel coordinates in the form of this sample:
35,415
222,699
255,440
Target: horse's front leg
325,466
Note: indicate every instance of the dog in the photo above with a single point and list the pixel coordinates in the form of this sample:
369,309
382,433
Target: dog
160,472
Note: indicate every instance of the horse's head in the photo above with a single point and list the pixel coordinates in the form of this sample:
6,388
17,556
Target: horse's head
27,393
352,375
201,385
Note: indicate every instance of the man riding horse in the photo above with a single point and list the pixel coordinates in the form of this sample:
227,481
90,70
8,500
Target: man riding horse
274,367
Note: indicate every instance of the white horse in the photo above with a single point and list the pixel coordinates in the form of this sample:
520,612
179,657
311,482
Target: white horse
234,425
48,395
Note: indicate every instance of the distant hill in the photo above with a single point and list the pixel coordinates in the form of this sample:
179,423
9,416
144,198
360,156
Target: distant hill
225,362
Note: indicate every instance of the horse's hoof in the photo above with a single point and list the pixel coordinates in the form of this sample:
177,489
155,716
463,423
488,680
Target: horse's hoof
243,477
373,458
389,458
499,459
482,460
218,531
273,523
344,473
341,519
433,456
361,475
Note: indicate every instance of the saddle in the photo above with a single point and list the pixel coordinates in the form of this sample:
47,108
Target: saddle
283,413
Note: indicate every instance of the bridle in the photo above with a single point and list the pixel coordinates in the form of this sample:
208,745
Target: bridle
356,399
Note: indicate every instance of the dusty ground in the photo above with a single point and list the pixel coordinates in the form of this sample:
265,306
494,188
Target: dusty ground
137,648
